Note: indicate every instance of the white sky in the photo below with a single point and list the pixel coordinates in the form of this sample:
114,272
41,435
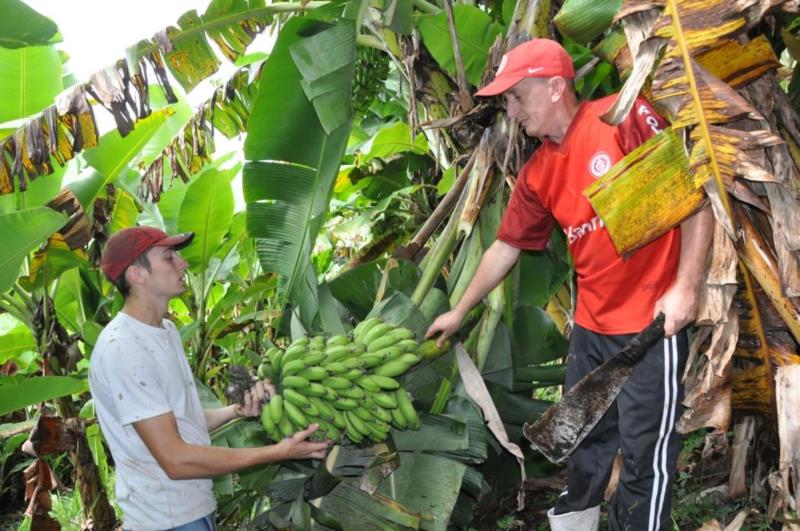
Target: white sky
96,32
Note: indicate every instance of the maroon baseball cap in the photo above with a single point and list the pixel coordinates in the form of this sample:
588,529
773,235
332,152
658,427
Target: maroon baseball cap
533,58
125,246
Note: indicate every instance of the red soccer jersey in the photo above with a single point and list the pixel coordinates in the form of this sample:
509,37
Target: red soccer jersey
615,295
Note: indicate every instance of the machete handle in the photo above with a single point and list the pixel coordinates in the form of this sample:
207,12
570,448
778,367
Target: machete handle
637,347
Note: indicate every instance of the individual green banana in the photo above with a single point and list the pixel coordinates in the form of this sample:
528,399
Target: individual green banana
369,361
381,426
352,374
375,434
352,392
324,409
380,413
330,394
390,353
277,362
293,353
337,353
364,414
316,343
336,368
336,382
407,345
428,350
264,370
364,327
271,353
297,417
380,343
334,341
384,400
345,404
368,384
398,419
292,367
294,382
338,419
275,406
385,382
313,358
375,332
357,424
353,363
313,389
401,334
290,395
314,374
285,427
266,420
409,359
391,368
353,434
406,407
299,342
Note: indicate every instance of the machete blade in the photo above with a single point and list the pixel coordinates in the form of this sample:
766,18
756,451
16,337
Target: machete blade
567,422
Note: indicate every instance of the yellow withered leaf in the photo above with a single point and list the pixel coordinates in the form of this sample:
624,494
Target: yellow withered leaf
737,64
646,193
730,147
752,392
705,23
760,262
720,102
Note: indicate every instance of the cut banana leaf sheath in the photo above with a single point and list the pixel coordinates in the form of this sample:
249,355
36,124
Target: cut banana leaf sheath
567,422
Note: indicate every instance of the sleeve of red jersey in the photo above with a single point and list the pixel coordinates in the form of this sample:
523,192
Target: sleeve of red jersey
642,123
526,223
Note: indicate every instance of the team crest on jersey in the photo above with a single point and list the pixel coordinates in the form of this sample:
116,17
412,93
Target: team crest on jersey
600,164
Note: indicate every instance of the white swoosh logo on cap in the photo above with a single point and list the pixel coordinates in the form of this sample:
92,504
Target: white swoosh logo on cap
534,70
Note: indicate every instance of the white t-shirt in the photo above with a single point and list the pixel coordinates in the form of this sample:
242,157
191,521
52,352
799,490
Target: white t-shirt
137,372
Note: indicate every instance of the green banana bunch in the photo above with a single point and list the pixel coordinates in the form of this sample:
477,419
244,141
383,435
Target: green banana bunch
346,384
372,68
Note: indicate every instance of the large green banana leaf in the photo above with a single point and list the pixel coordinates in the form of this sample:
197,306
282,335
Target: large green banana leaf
30,391
16,342
357,288
39,192
30,79
292,161
207,210
23,231
476,34
22,26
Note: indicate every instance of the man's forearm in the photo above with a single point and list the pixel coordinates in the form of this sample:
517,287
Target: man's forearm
192,461
497,261
696,233
219,416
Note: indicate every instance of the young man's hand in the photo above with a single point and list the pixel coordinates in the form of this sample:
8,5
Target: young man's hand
255,398
298,447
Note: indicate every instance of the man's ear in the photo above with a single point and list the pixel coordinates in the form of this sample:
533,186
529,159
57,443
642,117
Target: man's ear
557,85
135,274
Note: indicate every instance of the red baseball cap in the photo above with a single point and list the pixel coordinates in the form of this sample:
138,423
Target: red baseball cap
125,246
534,58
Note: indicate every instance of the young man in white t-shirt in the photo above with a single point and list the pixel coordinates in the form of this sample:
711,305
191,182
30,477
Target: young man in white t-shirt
147,402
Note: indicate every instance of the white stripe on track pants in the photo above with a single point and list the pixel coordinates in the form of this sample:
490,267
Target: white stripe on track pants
641,424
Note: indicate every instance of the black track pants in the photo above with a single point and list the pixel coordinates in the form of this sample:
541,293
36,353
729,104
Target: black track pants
641,424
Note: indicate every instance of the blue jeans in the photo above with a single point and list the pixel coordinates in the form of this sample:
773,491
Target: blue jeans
206,523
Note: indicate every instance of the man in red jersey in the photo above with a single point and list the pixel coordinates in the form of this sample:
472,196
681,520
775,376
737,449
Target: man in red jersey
617,297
